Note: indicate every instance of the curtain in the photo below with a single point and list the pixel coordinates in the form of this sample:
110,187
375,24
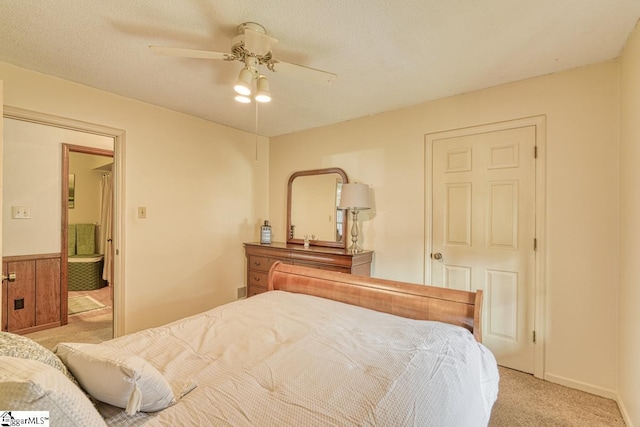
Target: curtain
106,226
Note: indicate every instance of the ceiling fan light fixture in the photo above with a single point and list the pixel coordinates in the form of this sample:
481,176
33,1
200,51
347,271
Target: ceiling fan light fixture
263,94
243,99
252,46
243,85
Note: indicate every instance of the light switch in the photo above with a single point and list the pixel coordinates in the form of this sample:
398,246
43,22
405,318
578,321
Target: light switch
20,212
142,212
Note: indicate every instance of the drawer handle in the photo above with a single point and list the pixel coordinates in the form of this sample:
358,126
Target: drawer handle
256,263
256,279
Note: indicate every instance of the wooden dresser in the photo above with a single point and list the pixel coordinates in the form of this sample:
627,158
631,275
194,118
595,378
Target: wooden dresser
260,257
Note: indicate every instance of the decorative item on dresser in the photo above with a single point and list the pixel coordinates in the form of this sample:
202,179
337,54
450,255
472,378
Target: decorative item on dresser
261,257
315,230
355,197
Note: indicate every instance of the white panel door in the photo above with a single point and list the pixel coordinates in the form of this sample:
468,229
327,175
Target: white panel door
483,230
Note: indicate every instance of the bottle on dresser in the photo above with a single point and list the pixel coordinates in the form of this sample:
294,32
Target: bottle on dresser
265,233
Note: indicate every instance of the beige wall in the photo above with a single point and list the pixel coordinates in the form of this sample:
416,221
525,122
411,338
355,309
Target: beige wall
629,319
32,161
204,191
386,151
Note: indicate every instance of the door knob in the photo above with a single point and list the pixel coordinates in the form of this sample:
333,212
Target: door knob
11,277
436,256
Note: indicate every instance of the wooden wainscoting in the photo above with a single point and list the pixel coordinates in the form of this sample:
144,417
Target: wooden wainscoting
32,300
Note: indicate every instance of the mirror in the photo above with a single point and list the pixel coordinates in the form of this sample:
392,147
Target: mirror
312,200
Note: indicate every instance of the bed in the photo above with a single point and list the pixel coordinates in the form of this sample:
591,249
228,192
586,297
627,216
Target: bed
319,348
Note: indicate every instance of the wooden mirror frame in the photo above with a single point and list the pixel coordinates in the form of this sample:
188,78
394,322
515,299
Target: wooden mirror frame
325,243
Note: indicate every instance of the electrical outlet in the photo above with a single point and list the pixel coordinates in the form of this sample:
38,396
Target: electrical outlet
142,212
242,292
20,212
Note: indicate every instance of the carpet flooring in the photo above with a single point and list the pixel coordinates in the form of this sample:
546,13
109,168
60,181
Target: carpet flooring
82,304
92,326
524,400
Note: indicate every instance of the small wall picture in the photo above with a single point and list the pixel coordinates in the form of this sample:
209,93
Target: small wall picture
72,190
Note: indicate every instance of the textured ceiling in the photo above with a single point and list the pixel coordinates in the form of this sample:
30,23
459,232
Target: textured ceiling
387,54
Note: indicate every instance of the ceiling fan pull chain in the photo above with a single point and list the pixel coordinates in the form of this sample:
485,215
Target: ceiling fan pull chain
256,133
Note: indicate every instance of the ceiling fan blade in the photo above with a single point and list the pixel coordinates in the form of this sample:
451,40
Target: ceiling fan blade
309,74
258,43
189,53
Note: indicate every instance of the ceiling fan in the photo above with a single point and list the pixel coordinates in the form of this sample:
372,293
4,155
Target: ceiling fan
252,46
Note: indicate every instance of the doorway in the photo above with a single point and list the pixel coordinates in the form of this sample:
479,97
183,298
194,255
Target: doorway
87,131
484,223
87,224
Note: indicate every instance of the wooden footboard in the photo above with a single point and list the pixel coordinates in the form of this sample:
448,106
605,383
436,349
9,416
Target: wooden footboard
420,302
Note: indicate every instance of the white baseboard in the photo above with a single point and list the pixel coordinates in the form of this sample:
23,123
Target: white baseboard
623,410
598,391
589,388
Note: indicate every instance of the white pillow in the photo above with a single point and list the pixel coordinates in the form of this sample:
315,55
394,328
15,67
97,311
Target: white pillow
30,385
117,377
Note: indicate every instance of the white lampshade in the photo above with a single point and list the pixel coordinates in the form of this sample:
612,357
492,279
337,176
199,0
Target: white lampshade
243,99
243,85
355,196
262,93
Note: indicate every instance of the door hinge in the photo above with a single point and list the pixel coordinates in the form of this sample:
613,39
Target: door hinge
535,244
535,152
534,337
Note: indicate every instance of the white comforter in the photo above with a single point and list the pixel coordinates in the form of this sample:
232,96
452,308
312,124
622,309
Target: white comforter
279,359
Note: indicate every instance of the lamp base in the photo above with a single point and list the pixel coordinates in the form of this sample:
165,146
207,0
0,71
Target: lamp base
355,250
354,247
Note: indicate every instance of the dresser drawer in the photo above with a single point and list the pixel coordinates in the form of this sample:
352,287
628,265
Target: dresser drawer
329,267
257,278
261,263
255,290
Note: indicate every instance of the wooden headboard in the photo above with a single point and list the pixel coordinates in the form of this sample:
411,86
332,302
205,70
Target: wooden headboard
420,302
